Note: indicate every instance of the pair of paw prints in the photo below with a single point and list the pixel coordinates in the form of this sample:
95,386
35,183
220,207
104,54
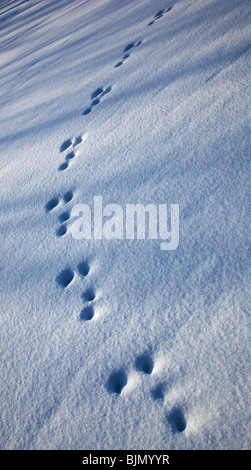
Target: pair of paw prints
63,216
159,15
118,379
87,313
126,50
69,145
96,97
66,276
175,418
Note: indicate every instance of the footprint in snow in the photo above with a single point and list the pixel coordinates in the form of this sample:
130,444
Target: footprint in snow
62,230
83,268
65,277
117,381
119,64
144,363
96,93
159,15
65,145
63,166
51,204
158,393
68,196
96,97
70,155
177,420
87,111
129,47
107,90
95,102
87,313
89,295
64,216
77,141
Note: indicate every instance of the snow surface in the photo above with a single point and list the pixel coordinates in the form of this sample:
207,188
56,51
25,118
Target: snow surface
169,330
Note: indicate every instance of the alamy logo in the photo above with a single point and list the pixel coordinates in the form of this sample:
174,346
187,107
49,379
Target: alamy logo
153,222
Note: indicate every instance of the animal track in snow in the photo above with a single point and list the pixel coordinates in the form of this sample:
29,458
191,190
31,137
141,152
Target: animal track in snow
68,142
64,216
144,363
177,420
158,393
89,295
77,141
96,93
95,102
51,204
65,145
83,268
68,196
117,381
119,63
87,313
68,145
65,277
87,111
129,47
96,97
63,166
107,90
62,230
159,15
68,157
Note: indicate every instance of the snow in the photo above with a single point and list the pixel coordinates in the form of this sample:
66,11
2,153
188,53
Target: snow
115,344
